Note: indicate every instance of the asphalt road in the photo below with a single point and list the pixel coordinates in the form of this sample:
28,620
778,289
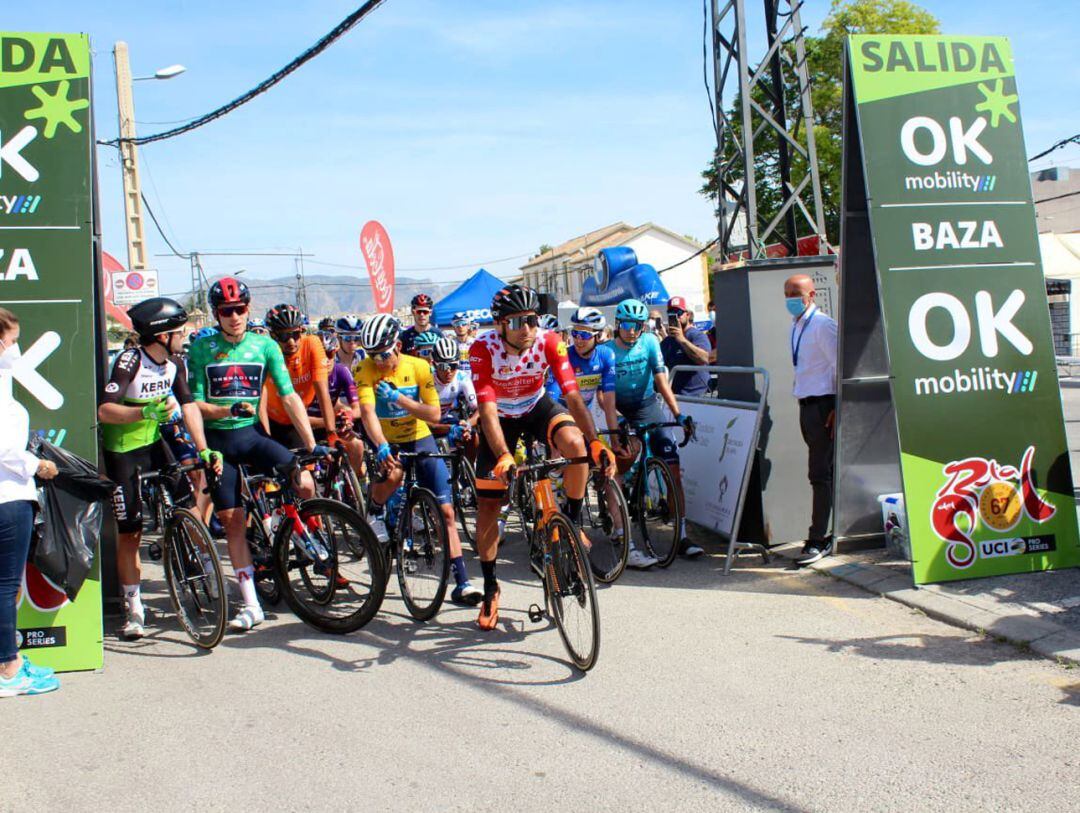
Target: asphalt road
771,689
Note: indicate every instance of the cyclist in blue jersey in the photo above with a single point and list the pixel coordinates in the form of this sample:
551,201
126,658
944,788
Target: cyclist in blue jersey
640,383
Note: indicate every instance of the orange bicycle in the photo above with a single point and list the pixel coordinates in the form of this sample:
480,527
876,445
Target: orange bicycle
559,557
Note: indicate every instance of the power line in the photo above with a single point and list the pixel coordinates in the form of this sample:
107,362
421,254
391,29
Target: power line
150,211
1058,197
697,253
338,31
1073,139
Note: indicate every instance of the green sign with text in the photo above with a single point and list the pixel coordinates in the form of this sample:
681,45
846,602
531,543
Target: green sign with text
47,280
983,454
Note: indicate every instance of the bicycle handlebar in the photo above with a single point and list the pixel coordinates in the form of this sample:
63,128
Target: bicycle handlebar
624,431
172,470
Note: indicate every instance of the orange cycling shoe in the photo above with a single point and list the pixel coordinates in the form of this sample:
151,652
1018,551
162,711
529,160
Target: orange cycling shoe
489,611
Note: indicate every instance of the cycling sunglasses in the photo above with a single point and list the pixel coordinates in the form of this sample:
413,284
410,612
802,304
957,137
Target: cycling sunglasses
518,322
383,355
423,352
445,366
232,310
289,335
631,327
584,335
421,311
349,337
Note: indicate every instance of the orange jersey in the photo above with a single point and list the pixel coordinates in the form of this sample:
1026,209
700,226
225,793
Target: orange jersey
306,366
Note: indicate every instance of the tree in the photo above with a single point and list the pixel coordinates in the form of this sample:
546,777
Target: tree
544,249
824,59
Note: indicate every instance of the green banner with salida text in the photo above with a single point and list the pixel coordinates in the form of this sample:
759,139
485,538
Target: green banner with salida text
47,281
984,459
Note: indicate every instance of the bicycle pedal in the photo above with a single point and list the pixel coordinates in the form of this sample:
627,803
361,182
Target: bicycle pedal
154,551
536,614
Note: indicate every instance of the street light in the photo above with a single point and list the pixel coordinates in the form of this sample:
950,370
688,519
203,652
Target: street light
164,73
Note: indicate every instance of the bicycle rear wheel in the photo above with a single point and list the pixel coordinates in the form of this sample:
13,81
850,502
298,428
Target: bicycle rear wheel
193,575
342,592
465,502
423,555
605,511
658,512
262,557
571,593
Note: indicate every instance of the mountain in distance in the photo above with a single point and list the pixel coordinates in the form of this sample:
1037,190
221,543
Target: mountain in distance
334,295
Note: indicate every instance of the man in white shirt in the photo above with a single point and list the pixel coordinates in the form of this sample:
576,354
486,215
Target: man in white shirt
813,353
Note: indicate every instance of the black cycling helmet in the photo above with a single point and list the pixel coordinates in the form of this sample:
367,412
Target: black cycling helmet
158,315
514,299
326,324
284,317
422,301
228,291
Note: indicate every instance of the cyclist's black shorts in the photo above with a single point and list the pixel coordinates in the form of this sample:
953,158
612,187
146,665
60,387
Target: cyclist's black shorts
250,446
662,442
285,434
123,469
541,422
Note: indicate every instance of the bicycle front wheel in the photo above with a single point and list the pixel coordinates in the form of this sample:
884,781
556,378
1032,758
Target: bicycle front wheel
606,513
329,566
571,593
196,583
423,555
658,512
465,502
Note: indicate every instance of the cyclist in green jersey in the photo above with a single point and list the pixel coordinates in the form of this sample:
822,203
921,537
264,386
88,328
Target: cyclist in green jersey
147,385
226,374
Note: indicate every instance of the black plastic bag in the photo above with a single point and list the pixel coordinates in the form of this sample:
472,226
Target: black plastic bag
68,526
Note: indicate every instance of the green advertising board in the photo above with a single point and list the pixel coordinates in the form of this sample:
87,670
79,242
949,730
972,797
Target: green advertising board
47,279
933,127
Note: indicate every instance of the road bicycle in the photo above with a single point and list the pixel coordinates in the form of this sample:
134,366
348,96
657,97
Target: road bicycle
323,557
463,486
192,566
652,496
558,556
336,479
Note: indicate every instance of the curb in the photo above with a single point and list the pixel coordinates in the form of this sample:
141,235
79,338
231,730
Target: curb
1045,638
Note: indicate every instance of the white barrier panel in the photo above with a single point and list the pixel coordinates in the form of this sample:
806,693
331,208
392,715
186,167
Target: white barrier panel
714,464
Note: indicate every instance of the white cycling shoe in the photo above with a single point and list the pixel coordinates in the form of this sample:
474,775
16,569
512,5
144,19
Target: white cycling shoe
134,628
249,617
639,560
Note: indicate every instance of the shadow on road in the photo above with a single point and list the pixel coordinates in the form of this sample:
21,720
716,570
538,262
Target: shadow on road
975,649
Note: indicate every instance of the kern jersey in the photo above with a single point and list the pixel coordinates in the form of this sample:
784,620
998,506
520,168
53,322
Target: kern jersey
223,373
594,374
307,367
413,377
457,395
514,383
137,380
635,367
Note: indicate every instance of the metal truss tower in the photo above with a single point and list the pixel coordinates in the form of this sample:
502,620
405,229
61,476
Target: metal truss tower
760,149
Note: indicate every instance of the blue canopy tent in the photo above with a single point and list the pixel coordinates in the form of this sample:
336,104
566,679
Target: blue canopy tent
473,296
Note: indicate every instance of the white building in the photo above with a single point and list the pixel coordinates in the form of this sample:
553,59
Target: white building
562,270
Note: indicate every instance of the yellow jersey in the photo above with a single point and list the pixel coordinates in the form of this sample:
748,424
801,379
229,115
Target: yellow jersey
412,377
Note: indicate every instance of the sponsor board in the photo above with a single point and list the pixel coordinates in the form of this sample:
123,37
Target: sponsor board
47,280
983,455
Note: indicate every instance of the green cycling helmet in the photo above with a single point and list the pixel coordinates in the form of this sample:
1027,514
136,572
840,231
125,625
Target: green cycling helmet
631,310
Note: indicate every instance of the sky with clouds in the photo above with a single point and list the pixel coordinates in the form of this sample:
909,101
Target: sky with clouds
474,131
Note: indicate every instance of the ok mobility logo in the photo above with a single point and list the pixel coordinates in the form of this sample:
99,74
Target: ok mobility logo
978,379
19,204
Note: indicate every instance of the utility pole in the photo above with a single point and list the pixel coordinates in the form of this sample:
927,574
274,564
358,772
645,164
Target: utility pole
129,160
301,283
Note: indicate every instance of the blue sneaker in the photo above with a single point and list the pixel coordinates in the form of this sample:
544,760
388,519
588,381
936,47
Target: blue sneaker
37,671
23,682
465,595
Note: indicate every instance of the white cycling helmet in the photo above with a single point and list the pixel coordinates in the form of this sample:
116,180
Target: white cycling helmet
445,351
588,318
380,332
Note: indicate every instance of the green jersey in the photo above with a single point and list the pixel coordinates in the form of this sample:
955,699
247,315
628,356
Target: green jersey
223,373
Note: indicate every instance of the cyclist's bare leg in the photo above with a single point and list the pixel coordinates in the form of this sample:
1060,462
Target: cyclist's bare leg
234,522
487,527
571,443
203,507
305,485
380,492
128,566
354,448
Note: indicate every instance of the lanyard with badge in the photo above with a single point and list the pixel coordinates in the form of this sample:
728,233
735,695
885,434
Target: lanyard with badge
796,344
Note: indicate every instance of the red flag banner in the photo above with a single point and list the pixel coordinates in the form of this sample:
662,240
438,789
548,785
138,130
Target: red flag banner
109,265
379,256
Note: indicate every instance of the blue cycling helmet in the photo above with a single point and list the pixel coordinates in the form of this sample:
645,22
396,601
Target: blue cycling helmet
549,321
589,319
427,339
350,324
631,310
203,332
460,318
256,323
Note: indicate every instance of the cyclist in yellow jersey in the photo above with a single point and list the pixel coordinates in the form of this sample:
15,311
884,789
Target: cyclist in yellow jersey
397,400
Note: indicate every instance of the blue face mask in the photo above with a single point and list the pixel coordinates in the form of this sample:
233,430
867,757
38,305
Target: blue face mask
795,305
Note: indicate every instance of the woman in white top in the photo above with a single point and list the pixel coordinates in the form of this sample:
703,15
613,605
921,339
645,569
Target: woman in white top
18,494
